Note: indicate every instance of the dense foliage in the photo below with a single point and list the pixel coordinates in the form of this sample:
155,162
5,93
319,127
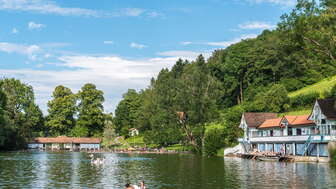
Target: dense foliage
252,75
69,114
195,103
90,111
20,117
61,109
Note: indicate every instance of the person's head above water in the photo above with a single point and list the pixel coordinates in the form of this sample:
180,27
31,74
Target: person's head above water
128,186
142,185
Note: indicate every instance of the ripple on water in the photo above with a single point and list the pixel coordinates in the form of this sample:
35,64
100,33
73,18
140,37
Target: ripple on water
167,171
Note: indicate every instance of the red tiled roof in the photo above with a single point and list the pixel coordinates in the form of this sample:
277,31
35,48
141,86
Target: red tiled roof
270,123
254,119
299,120
64,139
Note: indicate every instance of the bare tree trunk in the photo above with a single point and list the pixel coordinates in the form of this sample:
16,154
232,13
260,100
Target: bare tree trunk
190,136
241,92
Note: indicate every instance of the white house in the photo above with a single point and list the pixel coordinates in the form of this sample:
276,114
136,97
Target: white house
133,132
291,135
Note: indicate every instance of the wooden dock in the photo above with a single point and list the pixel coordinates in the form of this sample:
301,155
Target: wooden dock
266,158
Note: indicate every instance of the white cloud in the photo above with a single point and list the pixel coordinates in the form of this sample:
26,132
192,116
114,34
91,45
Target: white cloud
277,2
221,43
190,55
186,43
154,14
256,25
32,25
112,74
47,55
228,43
132,11
29,50
51,7
15,31
44,7
108,42
137,45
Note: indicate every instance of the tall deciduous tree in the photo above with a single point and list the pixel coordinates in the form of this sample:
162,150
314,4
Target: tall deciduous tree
21,111
3,124
91,117
62,109
197,96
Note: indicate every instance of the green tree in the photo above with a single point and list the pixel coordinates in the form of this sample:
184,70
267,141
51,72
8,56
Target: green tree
22,113
128,112
109,133
197,96
91,116
3,125
62,109
274,100
214,139
159,107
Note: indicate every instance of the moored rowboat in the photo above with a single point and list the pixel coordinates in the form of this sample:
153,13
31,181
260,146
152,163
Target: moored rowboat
273,158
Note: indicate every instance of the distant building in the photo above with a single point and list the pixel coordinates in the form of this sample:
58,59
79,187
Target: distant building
65,143
302,135
133,132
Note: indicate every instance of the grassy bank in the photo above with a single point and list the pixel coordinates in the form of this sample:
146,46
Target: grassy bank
322,87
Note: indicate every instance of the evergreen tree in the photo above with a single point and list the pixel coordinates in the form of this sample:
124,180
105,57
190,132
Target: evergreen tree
127,112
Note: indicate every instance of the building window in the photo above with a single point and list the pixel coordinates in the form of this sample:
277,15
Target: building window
271,132
290,131
264,133
323,121
298,132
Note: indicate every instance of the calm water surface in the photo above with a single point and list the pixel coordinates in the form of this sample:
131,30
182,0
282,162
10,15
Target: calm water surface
166,171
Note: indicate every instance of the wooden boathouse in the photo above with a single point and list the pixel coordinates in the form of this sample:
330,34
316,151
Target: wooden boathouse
65,143
304,135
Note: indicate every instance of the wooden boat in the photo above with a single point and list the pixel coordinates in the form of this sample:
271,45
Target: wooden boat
269,158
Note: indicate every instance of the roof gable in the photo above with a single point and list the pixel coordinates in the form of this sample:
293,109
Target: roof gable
298,120
328,108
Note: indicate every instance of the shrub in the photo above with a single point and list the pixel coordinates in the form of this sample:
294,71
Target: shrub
214,139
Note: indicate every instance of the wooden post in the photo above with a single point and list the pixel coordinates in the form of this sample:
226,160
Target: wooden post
294,150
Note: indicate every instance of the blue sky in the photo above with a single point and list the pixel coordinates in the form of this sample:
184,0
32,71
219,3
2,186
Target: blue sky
119,44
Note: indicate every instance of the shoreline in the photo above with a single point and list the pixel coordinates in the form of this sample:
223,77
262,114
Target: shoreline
291,158
109,151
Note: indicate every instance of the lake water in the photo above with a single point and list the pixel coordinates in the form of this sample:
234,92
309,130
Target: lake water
166,171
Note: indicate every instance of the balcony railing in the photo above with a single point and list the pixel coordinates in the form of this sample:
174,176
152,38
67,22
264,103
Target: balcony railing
300,138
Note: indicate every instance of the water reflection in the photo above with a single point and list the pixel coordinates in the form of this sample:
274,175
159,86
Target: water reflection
74,170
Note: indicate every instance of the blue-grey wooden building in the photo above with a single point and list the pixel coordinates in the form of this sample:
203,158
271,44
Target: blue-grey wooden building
305,135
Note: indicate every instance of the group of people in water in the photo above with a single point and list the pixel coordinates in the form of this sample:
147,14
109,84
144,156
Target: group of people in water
130,186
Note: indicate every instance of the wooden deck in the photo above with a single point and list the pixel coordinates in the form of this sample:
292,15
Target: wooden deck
264,158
